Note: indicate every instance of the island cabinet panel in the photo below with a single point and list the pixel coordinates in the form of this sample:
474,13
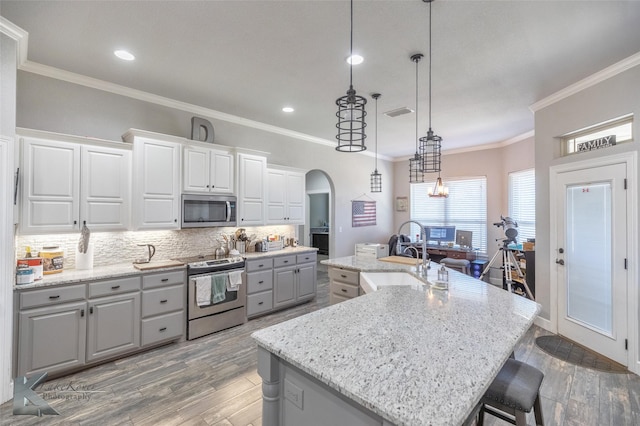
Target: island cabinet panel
51,338
344,284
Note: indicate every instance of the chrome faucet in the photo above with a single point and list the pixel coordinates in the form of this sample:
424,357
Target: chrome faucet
423,235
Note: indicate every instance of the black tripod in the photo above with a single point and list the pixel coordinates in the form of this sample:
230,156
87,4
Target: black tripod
508,264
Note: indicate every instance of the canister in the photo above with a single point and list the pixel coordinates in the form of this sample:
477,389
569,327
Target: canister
34,263
24,275
52,260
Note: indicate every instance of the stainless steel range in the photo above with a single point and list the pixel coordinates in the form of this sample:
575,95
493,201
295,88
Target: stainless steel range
214,303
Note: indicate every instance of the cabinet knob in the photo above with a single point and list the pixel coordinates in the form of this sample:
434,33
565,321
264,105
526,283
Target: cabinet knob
81,313
207,186
175,220
75,222
91,309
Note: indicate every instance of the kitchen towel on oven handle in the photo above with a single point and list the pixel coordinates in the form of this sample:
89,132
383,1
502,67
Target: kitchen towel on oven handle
203,290
234,281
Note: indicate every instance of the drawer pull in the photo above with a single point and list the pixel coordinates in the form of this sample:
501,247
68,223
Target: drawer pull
164,280
344,290
261,282
260,303
286,261
163,329
54,297
343,275
115,287
81,313
260,265
163,301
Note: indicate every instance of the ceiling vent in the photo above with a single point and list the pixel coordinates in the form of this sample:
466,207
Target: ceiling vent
399,111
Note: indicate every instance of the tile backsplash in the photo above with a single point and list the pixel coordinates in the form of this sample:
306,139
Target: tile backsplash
122,247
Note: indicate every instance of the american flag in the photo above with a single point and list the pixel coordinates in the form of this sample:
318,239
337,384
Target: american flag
363,213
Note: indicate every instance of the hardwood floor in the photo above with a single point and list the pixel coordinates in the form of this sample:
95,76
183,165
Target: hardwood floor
213,381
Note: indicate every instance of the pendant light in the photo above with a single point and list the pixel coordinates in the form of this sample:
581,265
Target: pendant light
376,178
431,145
351,113
416,166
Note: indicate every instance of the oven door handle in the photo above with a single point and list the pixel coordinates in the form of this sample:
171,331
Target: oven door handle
228,211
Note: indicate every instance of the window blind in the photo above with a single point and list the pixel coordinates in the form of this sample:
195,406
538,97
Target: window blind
465,208
522,202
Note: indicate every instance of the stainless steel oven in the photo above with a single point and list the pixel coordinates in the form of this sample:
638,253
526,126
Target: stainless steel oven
209,316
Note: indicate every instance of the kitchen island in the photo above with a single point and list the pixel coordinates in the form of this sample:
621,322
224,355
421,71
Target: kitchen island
396,356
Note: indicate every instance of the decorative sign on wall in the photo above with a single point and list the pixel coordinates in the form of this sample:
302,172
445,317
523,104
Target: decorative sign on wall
363,213
603,142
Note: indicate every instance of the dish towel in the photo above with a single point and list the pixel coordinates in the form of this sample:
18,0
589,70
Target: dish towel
219,288
234,281
203,291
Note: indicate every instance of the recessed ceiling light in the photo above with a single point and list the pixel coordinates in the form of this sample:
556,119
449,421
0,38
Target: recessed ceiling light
124,55
288,109
355,59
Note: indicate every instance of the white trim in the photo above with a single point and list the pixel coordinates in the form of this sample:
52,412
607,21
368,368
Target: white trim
592,80
493,145
18,34
631,161
545,324
82,80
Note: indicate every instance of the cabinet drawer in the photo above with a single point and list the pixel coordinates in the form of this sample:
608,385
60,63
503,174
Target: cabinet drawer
307,257
259,264
259,281
258,303
162,279
344,275
457,254
344,290
279,262
51,296
106,288
164,327
162,300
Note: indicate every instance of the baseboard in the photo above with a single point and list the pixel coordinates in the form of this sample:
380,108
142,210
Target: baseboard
544,323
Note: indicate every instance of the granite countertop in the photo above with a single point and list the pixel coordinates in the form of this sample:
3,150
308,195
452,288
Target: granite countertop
281,252
360,263
412,356
74,276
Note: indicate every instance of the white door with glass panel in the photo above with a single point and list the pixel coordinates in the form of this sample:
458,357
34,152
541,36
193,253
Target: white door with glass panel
591,258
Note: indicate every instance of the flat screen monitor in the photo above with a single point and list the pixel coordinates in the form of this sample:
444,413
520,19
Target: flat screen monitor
441,234
464,238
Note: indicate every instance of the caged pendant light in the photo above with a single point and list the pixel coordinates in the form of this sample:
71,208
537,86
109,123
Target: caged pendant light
416,164
351,112
376,178
431,145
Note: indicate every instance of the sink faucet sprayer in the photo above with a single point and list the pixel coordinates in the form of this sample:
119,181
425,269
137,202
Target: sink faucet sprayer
423,235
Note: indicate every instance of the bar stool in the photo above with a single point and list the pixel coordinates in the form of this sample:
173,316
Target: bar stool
516,390
462,265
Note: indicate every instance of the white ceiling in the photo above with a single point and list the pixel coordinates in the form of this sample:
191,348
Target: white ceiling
491,59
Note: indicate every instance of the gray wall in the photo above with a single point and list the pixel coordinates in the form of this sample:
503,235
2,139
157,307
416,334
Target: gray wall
318,210
609,99
53,105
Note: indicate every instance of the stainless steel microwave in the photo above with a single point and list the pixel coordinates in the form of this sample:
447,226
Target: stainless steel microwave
201,211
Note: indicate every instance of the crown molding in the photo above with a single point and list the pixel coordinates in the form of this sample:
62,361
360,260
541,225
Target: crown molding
592,80
19,35
502,144
94,83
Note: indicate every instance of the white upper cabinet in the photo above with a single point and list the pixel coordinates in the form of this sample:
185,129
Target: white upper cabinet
207,170
285,196
252,173
105,188
156,182
67,184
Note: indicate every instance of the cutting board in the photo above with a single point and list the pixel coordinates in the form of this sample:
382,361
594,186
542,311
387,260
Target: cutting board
157,265
399,259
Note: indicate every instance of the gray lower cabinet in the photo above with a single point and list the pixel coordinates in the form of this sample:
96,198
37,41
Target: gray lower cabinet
63,328
280,281
51,338
164,297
